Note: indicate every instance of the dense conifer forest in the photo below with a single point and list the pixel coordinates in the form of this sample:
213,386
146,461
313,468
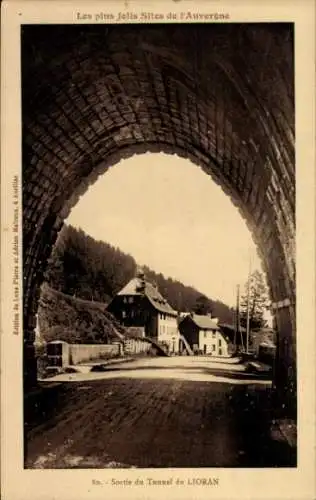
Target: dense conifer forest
95,271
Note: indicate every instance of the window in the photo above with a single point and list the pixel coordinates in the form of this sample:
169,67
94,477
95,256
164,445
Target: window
213,334
219,342
131,299
123,314
213,347
205,334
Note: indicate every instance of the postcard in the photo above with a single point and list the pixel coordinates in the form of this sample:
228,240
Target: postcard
157,244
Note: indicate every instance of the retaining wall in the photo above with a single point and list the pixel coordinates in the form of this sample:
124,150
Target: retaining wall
79,353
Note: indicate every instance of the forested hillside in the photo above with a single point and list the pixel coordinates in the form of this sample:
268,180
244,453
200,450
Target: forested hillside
94,270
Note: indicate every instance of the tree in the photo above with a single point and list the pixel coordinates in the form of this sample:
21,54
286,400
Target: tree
95,270
258,301
202,305
55,273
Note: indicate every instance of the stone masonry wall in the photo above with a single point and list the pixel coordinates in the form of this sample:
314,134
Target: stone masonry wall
99,94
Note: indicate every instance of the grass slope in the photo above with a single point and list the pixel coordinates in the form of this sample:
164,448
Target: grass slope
74,320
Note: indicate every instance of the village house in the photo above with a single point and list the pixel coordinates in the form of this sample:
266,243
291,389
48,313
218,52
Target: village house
263,344
262,337
204,335
139,304
236,341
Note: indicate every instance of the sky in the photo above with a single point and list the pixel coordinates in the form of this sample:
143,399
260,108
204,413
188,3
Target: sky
171,216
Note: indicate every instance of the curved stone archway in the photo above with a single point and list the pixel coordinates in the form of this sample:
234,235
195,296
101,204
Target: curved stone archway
93,95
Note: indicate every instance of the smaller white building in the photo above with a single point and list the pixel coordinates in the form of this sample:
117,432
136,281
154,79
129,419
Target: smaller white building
204,335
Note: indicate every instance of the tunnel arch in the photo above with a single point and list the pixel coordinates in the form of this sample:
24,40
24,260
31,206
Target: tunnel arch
100,94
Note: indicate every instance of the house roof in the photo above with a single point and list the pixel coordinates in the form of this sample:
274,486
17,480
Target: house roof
203,322
265,329
149,291
228,326
228,331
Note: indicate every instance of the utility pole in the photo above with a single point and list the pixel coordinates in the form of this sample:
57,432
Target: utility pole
248,298
237,319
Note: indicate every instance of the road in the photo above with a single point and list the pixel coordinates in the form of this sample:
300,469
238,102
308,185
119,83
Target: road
155,412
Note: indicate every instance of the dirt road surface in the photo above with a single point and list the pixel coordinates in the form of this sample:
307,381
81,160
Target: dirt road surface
159,412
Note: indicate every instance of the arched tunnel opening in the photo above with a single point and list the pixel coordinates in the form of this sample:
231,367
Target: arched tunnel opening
99,94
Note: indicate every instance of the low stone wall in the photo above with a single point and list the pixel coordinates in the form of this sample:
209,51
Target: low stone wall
78,353
73,354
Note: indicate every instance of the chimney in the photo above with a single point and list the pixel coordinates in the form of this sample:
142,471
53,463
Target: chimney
140,273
